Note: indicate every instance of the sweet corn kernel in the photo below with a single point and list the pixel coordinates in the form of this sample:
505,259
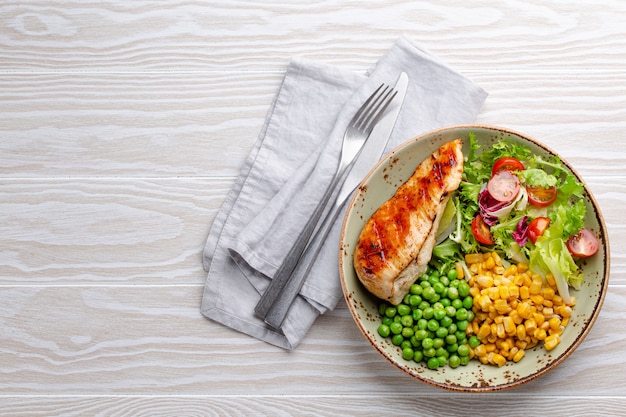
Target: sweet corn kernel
552,341
519,355
524,292
498,359
509,325
535,287
489,263
485,281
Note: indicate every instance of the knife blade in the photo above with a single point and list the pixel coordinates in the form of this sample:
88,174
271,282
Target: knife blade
368,157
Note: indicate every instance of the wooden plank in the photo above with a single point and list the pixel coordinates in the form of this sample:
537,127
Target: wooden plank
204,124
226,35
286,405
151,340
100,232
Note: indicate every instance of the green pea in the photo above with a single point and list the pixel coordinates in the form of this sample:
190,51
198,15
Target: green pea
429,353
442,360
464,289
408,353
433,279
444,280
416,314
452,328
384,330
437,342
461,313
457,303
422,324
407,321
418,356
441,332
407,332
382,308
468,302
397,339
452,348
387,320
416,289
429,293
446,321
474,341
445,302
464,360
442,352
460,335
405,300
470,315
453,293
396,327
462,325
450,311
439,287
452,274
464,350
403,309
425,284
415,300
423,305
414,341
433,363
439,313
433,325
428,313
451,339
421,335
390,311
427,343
406,344
454,361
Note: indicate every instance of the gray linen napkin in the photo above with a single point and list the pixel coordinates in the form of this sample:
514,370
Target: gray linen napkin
287,172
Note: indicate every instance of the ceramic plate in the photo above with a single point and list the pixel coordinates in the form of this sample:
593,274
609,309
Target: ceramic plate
380,184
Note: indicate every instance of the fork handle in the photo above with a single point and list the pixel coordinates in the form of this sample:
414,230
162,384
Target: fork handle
278,311
295,253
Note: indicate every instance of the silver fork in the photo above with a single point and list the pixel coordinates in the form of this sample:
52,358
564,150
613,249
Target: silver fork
357,132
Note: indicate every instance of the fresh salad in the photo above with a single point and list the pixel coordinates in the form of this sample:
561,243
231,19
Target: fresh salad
525,207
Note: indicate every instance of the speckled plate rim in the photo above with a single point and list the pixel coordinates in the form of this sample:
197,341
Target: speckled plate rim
345,260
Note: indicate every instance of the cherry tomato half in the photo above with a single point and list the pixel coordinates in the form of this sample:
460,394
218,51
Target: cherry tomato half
536,227
504,186
481,231
507,163
541,196
583,244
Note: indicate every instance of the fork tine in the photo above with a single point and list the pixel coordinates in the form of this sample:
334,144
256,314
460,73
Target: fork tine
370,104
368,123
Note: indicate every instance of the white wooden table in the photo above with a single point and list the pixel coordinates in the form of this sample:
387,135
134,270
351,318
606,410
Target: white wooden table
123,126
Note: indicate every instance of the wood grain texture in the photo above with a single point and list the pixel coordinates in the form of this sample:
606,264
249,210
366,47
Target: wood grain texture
123,126
237,35
144,340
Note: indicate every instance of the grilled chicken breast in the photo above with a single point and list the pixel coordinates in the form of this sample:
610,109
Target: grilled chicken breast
396,243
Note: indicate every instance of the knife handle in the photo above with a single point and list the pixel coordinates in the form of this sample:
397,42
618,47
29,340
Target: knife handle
278,311
285,270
